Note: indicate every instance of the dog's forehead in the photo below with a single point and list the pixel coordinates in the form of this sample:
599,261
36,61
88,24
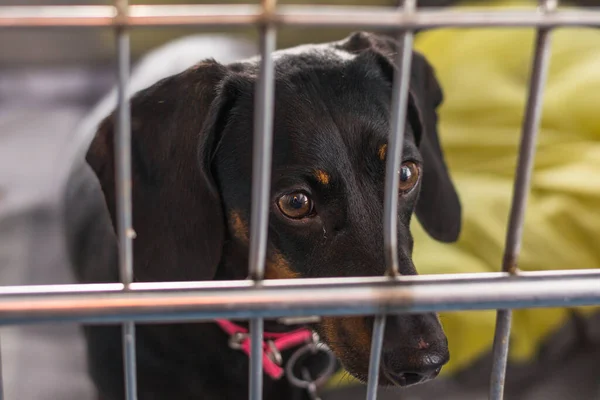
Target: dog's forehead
325,103
332,109
331,51
325,51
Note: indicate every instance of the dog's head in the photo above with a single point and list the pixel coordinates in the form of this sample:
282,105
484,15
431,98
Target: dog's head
192,167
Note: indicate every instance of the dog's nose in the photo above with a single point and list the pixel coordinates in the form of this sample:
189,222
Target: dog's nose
415,349
429,366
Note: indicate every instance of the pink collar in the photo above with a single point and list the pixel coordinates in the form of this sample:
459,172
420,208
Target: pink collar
273,344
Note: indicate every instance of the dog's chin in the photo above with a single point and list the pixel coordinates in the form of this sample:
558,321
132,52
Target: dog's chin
361,374
358,367
385,378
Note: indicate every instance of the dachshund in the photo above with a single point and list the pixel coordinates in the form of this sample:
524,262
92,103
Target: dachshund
191,186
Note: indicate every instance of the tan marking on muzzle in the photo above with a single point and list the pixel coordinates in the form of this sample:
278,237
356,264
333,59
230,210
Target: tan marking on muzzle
348,337
330,333
278,268
238,226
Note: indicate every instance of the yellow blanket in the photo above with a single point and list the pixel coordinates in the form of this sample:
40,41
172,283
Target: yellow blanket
484,74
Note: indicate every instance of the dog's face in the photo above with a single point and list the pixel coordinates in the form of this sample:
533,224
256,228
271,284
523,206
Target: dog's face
331,128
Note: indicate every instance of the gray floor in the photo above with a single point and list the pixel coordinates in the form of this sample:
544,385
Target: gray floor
39,362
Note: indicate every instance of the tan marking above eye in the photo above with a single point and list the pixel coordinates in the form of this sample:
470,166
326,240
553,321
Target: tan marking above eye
322,176
382,151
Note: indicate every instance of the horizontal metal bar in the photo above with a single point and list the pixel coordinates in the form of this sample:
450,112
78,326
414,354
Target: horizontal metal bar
198,301
297,15
490,277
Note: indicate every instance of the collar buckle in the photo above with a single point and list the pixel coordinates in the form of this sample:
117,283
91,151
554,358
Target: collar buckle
273,353
236,340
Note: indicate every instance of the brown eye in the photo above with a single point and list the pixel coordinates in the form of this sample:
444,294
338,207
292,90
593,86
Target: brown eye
409,176
295,205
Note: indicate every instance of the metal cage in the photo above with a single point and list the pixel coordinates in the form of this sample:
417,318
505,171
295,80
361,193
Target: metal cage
255,299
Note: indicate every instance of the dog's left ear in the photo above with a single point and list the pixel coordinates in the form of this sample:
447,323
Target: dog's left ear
438,207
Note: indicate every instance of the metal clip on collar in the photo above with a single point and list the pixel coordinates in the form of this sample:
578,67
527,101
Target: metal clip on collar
307,382
237,339
274,354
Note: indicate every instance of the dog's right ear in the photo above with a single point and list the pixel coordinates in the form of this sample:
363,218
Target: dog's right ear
177,211
438,208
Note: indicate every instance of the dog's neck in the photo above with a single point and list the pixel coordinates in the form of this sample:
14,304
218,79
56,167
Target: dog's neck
206,355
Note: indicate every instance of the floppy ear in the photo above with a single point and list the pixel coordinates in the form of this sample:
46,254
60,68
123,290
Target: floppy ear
227,92
438,207
177,214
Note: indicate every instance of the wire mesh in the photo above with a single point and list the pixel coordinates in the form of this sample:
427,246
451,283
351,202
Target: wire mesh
256,299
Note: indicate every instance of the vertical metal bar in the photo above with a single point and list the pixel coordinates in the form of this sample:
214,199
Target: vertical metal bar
531,123
261,187
130,361
400,90
500,354
262,149
256,364
123,190
375,359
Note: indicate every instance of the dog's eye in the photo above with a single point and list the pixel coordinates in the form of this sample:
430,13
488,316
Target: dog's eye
295,205
409,176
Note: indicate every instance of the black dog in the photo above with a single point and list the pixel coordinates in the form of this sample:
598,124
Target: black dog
191,155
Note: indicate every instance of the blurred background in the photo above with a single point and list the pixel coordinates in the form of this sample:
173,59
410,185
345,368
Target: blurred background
51,80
